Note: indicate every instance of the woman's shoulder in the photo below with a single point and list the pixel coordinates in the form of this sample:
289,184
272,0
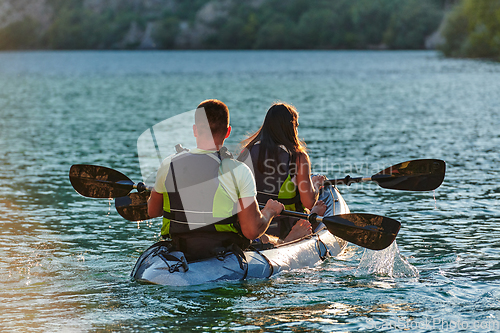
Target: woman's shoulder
302,157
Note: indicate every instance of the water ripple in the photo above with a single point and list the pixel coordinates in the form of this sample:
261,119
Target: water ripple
65,260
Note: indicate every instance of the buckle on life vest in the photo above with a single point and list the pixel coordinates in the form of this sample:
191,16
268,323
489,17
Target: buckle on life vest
224,153
179,148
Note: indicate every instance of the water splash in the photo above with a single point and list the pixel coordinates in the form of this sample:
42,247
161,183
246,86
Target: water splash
110,200
387,262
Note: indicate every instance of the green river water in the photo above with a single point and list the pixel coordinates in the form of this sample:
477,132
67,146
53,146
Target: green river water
65,260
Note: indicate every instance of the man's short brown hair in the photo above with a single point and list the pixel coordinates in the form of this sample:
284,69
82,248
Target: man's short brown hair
217,115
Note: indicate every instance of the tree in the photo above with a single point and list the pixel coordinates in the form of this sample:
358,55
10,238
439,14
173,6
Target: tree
317,28
411,23
276,33
166,31
472,29
20,35
370,19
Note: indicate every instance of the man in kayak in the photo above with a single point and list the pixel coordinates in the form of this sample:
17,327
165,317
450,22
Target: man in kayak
207,198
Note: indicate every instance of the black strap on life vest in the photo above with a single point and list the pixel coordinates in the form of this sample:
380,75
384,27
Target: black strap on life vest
201,245
228,220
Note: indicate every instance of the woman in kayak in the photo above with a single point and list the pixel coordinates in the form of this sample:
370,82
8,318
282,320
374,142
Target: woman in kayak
281,165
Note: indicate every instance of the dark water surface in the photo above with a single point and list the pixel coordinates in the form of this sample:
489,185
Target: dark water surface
65,259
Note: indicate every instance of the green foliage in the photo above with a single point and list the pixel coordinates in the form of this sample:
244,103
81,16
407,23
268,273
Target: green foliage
472,29
187,9
370,19
275,24
72,29
276,33
410,23
455,33
316,29
20,35
325,24
238,31
166,31
77,28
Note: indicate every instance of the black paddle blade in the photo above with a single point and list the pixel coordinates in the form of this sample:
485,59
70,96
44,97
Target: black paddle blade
416,175
133,207
373,232
99,182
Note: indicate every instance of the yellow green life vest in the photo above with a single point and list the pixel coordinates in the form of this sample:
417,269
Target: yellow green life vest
195,199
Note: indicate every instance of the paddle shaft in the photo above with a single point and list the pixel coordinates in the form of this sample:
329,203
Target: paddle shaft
348,180
140,187
315,218
310,217
366,230
416,175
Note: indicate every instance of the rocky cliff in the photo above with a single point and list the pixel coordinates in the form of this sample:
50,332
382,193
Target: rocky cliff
12,11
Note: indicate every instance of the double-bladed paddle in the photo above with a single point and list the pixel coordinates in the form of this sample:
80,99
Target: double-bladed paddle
370,231
415,175
366,230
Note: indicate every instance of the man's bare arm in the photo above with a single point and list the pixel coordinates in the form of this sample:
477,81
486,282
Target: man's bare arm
253,221
155,204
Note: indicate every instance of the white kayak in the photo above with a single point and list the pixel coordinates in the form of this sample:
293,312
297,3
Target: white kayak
158,265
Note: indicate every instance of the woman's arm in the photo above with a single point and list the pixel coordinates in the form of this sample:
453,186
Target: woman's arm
308,188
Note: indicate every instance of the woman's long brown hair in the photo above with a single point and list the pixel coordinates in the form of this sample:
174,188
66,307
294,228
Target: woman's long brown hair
279,128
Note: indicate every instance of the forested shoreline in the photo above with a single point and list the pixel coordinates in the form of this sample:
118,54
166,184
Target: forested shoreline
225,24
459,28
